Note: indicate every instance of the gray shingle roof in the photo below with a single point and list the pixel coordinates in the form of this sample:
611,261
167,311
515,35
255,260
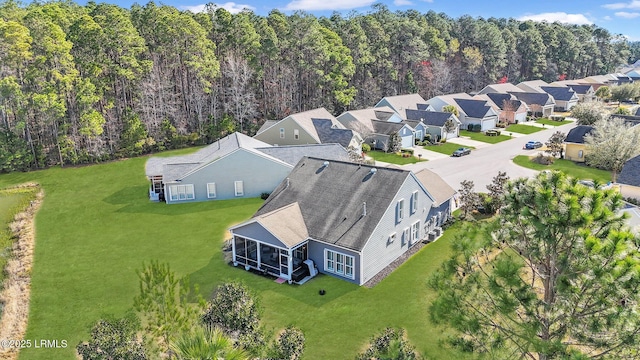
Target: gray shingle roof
267,124
638,112
579,89
562,93
532,98
433,118
576,135
293,153
331,199
330,134
436,186
385,127
630,173
402,102
500,98
474,108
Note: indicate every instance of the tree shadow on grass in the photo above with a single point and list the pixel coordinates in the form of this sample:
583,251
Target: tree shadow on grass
218,271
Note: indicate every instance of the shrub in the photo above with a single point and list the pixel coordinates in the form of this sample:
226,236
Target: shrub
264,195
543,160
501,125
443,140
470,127
477,128
408,151
427,138
366,147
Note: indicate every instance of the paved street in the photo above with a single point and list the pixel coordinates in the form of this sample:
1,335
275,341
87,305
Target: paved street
484,163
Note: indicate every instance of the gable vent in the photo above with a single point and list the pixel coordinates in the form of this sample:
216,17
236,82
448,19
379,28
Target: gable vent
373,171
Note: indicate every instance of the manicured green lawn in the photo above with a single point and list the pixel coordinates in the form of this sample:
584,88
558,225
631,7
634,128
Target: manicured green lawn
446,148
523,129
478,136
553,122
96,227
568,167
392,158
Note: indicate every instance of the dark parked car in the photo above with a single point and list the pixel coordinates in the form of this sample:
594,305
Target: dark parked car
461,152
533,145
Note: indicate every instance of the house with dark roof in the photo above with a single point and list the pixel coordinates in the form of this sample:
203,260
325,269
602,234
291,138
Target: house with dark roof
470,111
235,166
343,219
401,103
315,126
574,146
433,123
376,125
564,97
499,88
585,92
540,104
510,110
629,178
532,85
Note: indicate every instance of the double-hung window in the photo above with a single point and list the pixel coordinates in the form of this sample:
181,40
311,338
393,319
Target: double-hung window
211,190
415,232
400,210
239,187
414,202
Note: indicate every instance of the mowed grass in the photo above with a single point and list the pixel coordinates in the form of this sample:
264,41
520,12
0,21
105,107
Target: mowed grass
478,136
568,167
523,129
446,148
96,227
392,158
553,122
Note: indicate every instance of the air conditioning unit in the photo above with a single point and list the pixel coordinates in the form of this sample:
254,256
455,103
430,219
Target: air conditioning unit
432,236
438,231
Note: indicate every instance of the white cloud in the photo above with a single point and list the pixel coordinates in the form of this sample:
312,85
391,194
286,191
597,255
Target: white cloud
562,17
311,5
429,1
634,4
229,6
402,2
627,15
607,18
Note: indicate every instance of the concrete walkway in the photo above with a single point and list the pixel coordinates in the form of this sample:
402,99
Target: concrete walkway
466,141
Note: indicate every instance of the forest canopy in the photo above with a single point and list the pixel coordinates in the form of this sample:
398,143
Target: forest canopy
90,83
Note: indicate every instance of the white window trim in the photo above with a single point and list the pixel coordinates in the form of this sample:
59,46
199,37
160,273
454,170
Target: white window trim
211,194
400,210
176,191
235,186
392,237
335,260
281,133
415,232
405,235
414,202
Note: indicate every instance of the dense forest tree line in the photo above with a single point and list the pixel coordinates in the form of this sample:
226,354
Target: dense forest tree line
89,83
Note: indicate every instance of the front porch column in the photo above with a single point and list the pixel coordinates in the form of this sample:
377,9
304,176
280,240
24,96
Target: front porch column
233,249
290,263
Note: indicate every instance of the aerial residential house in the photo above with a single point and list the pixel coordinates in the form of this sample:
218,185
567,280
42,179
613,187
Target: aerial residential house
532,86
634,74
401,103
601,80
623,78
585,92
564,97
432,123
235,166
629,178
575,148
540,104
471,111
342,219
499,88
377,125
316,126
510,110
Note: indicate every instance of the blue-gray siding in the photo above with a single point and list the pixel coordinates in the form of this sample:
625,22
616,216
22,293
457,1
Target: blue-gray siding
257,172
316,253
255,231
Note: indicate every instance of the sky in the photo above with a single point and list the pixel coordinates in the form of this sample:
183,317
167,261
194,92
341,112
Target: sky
618,17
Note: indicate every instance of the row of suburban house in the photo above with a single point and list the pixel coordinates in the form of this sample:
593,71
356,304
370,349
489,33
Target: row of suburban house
325,213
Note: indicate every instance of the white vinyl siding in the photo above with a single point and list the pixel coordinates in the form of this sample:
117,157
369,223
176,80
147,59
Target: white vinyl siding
414,202
405,236
181,192
392,237
415,232
239,188
400,210
281,133
211,190
339,263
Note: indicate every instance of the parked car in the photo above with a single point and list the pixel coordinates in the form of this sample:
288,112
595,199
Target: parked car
532,145
461,152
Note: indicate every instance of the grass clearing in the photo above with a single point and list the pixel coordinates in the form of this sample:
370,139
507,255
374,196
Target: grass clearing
568,167
96,227
523,129
554,123
392,158
446,148
484,138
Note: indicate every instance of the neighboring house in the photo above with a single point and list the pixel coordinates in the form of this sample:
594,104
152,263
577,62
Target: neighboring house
232,167
471,111
499,88
601,80
575,148
638,111
623,78
316,126
400,103
510,110
351,220
634,74
532,86
432,122
585,92
564,97
540,104
629,178
376,126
